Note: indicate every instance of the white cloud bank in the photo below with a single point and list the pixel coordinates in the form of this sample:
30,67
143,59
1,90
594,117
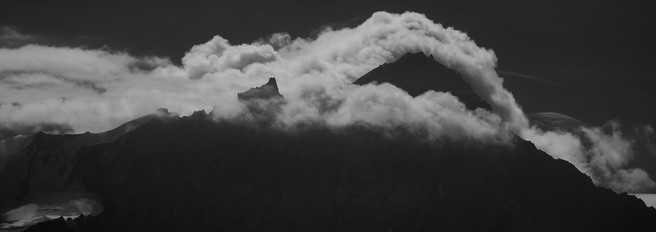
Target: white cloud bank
96,90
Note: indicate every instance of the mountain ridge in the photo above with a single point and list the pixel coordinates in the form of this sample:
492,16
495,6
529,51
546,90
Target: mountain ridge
243,176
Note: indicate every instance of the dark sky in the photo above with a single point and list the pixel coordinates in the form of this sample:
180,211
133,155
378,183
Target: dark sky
601,52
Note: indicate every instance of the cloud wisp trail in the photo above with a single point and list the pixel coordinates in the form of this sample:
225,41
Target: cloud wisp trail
531,77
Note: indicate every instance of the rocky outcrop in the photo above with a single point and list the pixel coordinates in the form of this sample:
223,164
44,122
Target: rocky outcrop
266,91
37,167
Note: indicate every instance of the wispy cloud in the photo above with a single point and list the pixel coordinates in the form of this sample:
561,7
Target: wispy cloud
10,37
531,77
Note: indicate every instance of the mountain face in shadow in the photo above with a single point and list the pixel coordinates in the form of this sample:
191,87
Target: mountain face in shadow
194,173
417,73
197,174
34,174
43,160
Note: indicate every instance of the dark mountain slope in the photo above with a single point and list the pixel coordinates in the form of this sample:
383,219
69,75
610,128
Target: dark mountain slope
40,163
418,73
263,103
196,174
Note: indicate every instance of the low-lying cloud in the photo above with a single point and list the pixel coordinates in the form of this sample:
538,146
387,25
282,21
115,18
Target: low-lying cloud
11,38
96,90
33,213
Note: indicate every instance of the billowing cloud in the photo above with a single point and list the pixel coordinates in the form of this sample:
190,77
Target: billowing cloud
218,55
649,199
33,213
96,90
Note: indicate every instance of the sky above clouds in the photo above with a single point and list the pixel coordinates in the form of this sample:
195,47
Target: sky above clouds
44,80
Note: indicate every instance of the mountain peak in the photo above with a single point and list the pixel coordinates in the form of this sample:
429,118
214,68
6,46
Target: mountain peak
415,59
266,91
417,73
272,81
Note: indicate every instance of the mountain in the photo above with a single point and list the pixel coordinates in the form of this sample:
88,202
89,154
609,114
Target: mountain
35,168
266,91
196,173
417,73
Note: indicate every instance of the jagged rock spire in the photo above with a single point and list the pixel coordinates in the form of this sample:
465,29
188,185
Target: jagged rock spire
266,91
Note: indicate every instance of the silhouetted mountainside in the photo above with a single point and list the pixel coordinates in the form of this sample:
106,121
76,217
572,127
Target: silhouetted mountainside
59,225
40,163
52,128
418,73
196,174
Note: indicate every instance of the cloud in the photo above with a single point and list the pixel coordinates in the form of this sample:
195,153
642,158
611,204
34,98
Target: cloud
32,213
10,37
609,155
96,90
217,55
441,114
90,90
601,153
278,40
